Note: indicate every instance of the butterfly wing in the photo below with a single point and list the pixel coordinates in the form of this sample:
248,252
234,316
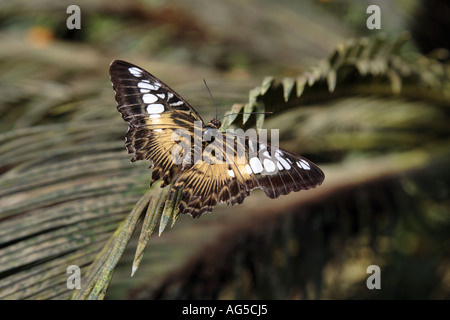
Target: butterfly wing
279,172
153,111
274,170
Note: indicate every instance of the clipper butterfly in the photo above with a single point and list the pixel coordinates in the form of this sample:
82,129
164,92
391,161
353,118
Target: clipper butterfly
155,113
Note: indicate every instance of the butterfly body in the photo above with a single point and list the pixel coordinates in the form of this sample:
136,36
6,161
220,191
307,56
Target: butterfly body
214,123
206,164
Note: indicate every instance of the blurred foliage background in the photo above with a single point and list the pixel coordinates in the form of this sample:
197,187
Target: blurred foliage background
371,107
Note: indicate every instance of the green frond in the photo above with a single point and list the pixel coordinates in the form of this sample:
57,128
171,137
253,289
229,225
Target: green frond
360,67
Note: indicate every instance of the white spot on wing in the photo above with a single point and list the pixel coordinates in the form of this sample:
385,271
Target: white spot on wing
154,116
149,98
145,90
178,103
231,173
249,170
256,165
269,165
155,108
145,84
135,72
305,165
280,167
283,162
157,130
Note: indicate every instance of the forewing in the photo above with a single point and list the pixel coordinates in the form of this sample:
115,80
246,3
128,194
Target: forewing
154,112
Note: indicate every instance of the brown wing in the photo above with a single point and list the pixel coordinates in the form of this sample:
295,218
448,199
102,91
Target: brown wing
275,171
153,111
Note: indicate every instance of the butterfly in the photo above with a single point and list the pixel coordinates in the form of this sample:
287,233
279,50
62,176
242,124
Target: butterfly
155,113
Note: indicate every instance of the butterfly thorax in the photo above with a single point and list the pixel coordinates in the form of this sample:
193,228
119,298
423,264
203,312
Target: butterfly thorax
211,129
214,124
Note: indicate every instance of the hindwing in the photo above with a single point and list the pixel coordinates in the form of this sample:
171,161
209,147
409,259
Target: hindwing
232,178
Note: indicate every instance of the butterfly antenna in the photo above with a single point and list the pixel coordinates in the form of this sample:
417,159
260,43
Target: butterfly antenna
230,114
210,96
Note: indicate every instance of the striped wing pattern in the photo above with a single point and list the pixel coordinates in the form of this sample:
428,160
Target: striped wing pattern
276,173
154,112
